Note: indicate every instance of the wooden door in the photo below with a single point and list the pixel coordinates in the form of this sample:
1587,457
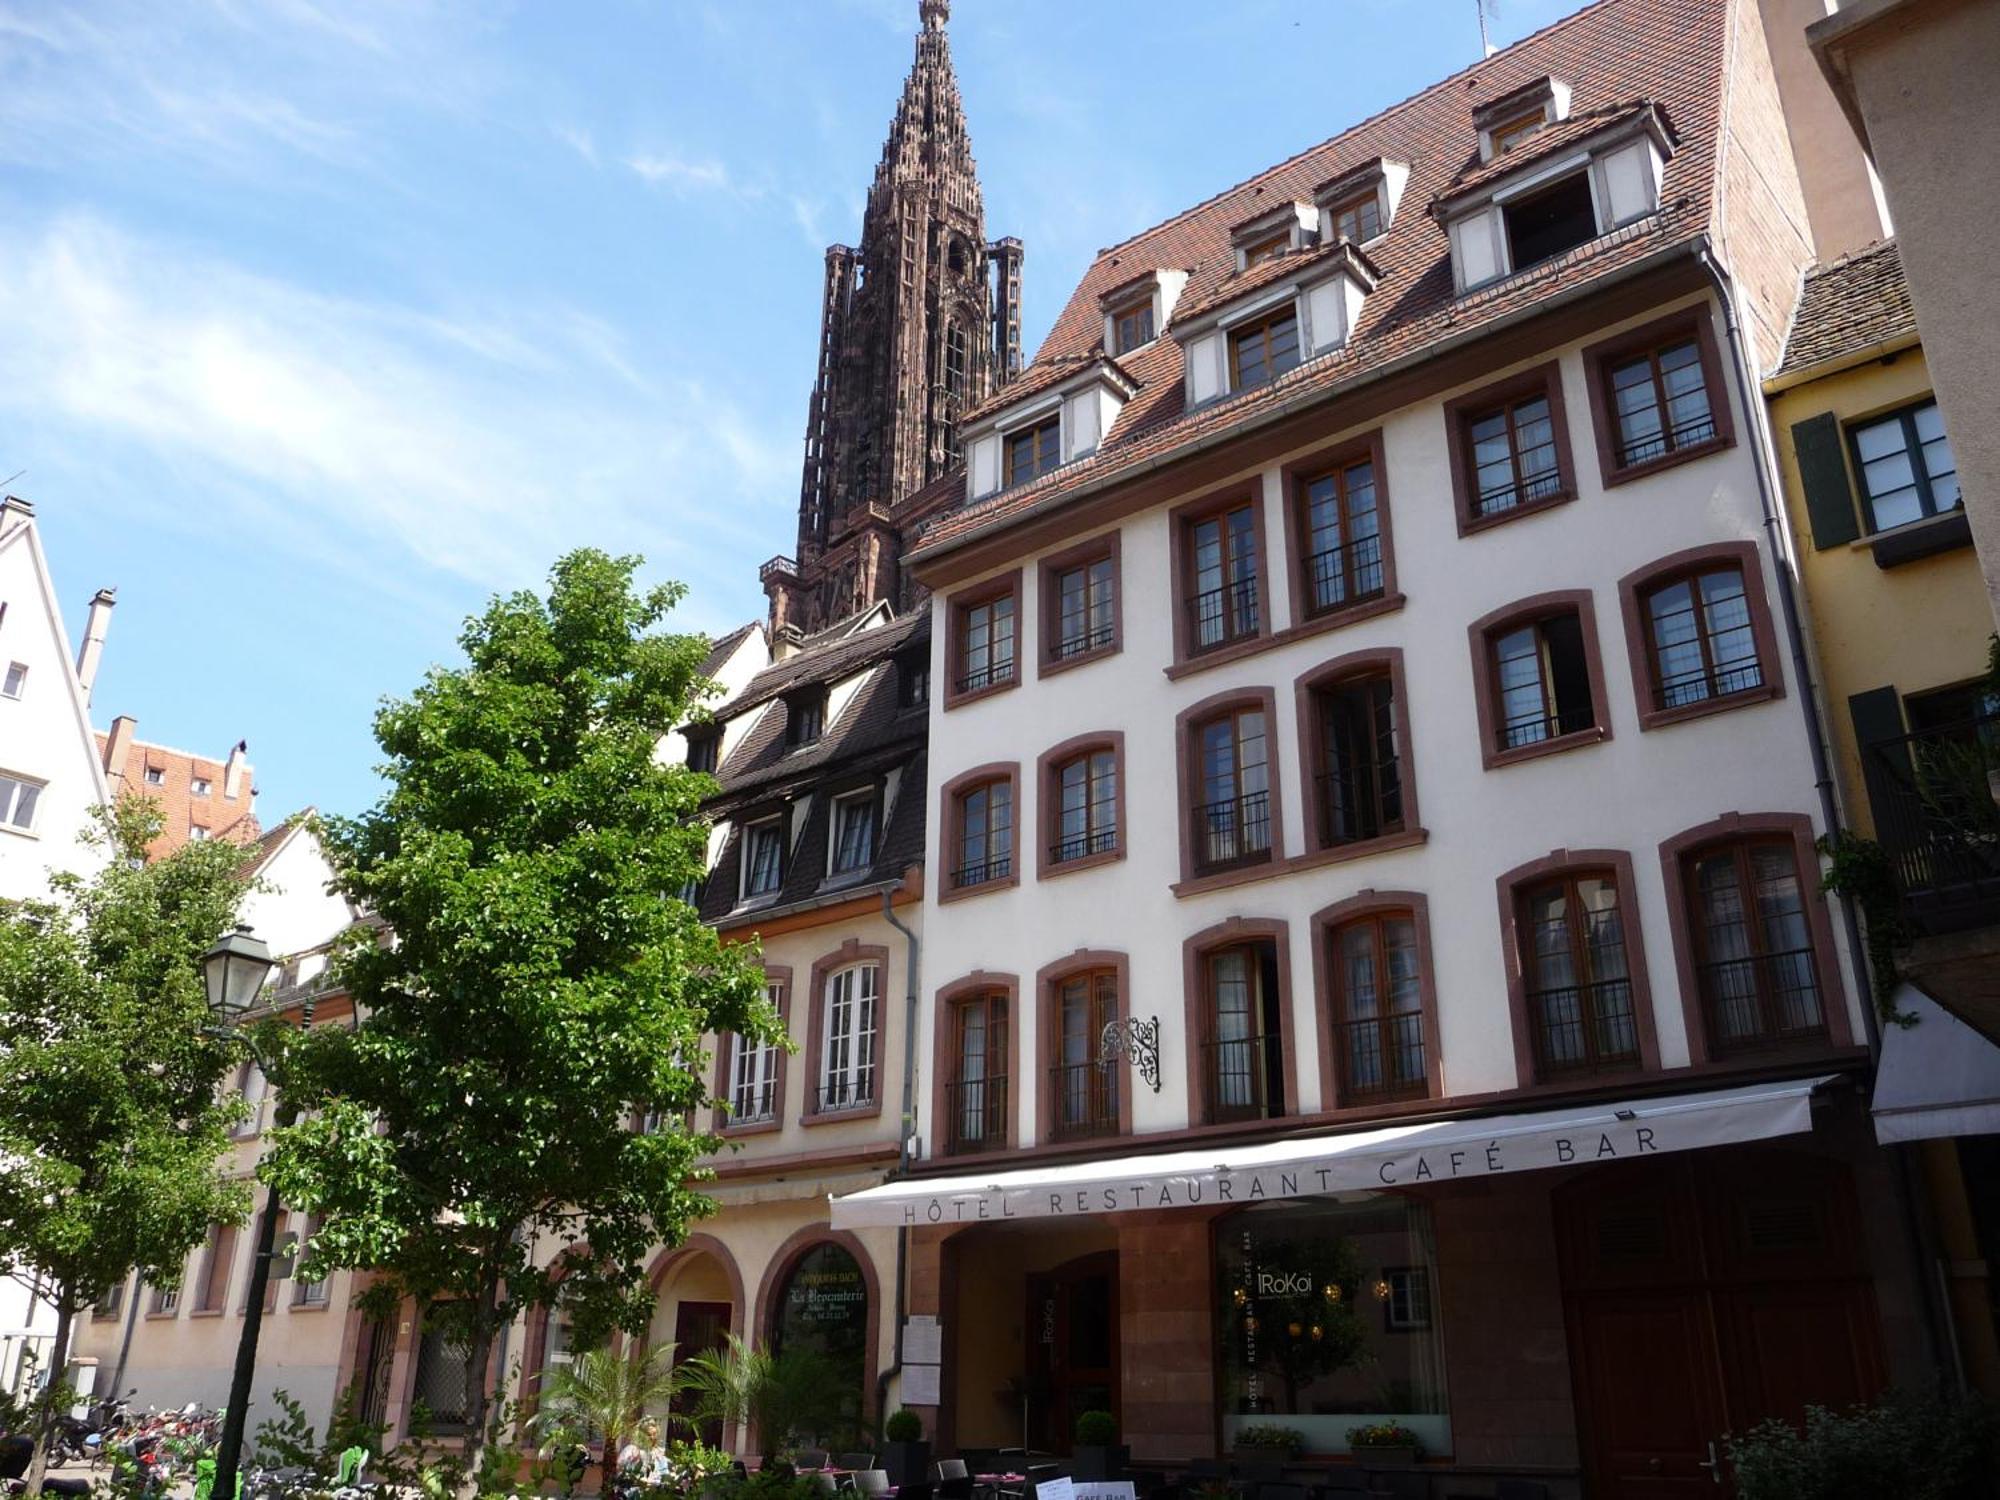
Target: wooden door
700,1328
1073,1348
1705,1294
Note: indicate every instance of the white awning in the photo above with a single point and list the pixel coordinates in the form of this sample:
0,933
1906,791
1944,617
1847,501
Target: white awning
1354,1161
1937,1078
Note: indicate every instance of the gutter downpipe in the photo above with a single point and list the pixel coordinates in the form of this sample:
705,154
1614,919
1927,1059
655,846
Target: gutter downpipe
908,1135
1937,1329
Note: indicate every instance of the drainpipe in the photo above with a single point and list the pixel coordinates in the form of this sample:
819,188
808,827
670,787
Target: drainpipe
908,1134
1937,1327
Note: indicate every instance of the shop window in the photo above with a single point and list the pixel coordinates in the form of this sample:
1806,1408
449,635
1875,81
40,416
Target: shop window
1084,1091
1243,1049
1754,963
1326,1321
821,1311
1378,1009
976,1095
1340,536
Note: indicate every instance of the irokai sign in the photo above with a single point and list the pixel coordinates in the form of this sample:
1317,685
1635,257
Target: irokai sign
1396,1156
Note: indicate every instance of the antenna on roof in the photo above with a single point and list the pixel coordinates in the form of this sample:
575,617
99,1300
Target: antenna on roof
1486,47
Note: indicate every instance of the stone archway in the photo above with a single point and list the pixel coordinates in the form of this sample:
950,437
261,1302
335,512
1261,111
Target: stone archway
699,1300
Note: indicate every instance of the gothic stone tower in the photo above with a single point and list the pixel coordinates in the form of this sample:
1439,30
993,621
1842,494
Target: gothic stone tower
919,324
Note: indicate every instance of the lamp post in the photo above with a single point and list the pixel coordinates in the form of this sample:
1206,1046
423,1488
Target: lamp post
235,970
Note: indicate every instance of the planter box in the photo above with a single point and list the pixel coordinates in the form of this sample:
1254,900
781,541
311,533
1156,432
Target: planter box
1271,1458
1386,1457
906,1463
1097,1464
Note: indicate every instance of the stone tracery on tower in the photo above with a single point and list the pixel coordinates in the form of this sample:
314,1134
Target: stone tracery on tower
918,324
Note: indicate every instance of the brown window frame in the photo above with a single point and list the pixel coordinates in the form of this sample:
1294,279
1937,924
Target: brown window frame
950,805
1049,574
1544,381
1517,935
852,954
1263,246
727,1121
1484,634
1195,878
1251,810
1042,461
1105,1091
1393,1035
990,993
1188,645
1740,850
960,687
1261,326
1357,561
1385,664
1509,133
1140,314
1354,203
1600,360
1048,777
1636,589
1327,924
1196,952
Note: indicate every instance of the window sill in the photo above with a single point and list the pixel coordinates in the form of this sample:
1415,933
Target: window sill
1053,666
1082,862
1255,645
1615,477
205,1312
836,1116
1312,859
164,1315
733,1132
19,833
955,699
1915,540
311,1307
1496,759
840,880
756,903
947,892
1662,718
1468,525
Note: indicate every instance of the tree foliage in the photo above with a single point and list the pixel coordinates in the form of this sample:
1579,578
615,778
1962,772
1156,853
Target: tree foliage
470,1139
112,1125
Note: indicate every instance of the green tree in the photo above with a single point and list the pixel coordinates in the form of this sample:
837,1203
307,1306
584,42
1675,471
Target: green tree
471,1140
112,1124
604,1393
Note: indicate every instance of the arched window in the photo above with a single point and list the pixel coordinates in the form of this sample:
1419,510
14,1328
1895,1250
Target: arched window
822,1309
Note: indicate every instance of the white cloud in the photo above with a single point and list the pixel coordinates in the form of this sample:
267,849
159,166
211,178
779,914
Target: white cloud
678,171
474,445
578,140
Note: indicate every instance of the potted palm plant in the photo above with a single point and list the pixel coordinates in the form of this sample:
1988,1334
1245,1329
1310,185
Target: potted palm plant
603,1396
1097,1453
905,1454
779,1401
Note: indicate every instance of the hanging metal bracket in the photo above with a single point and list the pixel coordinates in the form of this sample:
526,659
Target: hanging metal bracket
1139,1040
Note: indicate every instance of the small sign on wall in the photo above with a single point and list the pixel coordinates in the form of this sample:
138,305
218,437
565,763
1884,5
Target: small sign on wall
923,1340
922,1385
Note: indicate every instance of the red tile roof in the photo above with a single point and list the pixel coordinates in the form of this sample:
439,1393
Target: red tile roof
1860,301
1670,52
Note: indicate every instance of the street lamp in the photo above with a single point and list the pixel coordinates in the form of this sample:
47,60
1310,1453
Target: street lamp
235,971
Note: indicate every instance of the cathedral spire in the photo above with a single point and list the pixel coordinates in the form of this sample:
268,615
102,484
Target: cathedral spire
919,324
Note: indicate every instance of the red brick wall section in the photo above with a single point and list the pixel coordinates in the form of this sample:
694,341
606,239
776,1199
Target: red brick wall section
1166,1336
1506,1354
230,818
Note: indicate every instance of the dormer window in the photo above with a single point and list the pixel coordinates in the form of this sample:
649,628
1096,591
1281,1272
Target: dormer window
1263,249
913,673
1549,221
1265,349
1276,229
1132,326
1511,133
703,747
1360,204
855,817
763,858
1032,451
1519,115
805,717
1357,217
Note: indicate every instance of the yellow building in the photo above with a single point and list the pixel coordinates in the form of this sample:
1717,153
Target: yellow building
1900,625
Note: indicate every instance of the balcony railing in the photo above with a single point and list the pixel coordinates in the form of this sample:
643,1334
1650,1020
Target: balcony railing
1219,616
1083,1101
1361,800
1583,1028
1082,845
1535,485
1076,641
983,872
854,1090
1346,574
1381,1058
754,1104
975,1113
988,676
1670,440
1761,1000
1238,1074
1234,831
1533,729
1936,816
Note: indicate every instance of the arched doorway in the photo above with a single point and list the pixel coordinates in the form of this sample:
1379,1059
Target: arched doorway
698,1301
820,1304
1705,1293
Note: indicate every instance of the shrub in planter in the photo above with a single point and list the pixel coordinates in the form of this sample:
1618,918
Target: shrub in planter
1097,1453
1270,1440
905,1455
1385,1443
1915,1447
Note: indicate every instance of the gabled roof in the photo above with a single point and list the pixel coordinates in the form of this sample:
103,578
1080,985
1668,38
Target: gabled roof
267,844
1269,271
1045,375
724,647
1670,52
833,658
1847,306
1550,141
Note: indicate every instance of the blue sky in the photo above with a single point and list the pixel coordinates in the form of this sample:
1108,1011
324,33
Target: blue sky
324,321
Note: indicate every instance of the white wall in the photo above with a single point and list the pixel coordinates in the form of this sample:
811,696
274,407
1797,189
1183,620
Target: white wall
294,911
1630,793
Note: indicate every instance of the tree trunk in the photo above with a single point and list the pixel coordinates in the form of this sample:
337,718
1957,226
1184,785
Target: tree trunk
45,1423
478,1394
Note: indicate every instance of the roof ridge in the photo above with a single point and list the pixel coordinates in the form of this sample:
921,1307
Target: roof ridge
1361,124
1873,247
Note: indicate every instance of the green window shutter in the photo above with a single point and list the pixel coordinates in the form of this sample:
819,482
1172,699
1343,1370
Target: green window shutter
1823,473
1878,720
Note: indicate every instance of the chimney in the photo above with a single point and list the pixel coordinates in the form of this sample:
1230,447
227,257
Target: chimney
14,513
234,770
118,748
92,650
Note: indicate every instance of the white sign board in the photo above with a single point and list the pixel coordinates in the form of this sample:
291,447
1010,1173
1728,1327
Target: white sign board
1106,1489
922,1385
923,1341
1056,1489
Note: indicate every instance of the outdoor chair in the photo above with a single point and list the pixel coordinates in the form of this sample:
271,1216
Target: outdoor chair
949,1468
855,1461
810,1458
825,1481
871,1483
1042,1473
